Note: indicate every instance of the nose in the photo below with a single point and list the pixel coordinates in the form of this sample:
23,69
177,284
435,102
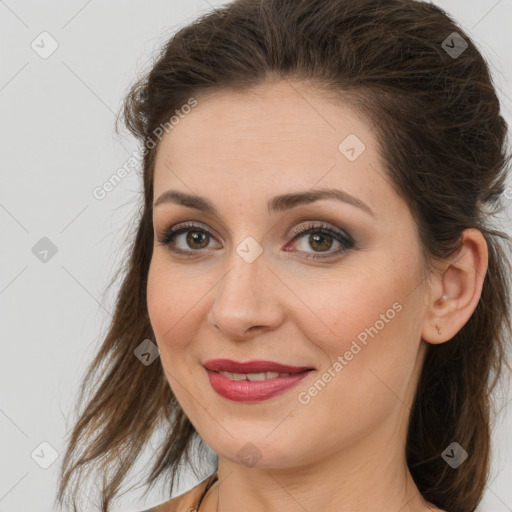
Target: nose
247,300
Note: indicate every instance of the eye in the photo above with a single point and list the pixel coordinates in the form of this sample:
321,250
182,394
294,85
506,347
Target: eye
194,238
321,238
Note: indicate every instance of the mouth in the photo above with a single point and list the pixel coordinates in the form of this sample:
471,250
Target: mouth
253,377
234,381
253,367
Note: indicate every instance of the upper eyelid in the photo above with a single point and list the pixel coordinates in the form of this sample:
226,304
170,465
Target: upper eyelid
299,213
317,224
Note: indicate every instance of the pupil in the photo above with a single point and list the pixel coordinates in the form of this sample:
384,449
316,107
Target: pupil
194,237
315,238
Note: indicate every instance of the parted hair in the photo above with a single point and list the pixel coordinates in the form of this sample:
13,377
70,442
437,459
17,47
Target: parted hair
436,116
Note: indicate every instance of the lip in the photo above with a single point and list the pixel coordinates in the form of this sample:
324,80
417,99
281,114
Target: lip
253,391
228,365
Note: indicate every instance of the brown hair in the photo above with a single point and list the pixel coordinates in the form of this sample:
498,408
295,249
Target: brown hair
437,121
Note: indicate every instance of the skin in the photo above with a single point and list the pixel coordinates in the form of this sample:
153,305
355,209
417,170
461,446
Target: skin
345,449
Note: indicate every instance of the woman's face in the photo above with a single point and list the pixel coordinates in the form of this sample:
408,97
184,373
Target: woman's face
345,298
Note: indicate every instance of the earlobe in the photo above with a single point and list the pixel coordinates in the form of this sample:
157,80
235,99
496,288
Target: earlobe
457,290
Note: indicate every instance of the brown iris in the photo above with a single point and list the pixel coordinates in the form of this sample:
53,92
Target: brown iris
313,238
194,237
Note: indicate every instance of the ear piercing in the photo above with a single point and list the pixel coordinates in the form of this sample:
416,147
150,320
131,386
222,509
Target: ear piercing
443,298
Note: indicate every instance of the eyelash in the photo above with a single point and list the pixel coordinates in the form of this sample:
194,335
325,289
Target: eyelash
347,242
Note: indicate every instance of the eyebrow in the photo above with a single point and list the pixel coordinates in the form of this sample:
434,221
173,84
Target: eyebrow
276,204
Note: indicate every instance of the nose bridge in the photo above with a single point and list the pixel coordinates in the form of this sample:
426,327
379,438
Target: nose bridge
245,277
244,297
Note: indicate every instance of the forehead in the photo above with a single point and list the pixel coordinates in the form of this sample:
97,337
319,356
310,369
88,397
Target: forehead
271,121
276,138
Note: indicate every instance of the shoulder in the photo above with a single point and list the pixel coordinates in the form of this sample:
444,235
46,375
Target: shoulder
187,501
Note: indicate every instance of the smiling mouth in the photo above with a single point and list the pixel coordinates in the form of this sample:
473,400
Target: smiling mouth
253,377
254,387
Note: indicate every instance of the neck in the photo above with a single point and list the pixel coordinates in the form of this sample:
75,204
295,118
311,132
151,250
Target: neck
355,479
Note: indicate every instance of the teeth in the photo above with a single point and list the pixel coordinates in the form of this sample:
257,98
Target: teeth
256,376
253,376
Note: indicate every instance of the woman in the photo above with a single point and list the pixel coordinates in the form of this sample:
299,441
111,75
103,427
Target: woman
315,262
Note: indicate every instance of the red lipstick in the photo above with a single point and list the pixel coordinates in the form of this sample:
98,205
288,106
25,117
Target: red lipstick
253,391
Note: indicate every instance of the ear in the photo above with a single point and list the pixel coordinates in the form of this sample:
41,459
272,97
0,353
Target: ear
456,289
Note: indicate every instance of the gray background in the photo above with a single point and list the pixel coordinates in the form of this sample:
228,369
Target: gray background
57,145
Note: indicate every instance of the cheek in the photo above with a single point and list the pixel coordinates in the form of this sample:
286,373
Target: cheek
173,312
158,296
176,302
371,322
340,310
168,304
370,353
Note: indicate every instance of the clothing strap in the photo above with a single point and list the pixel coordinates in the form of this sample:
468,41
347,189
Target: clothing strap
211,480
